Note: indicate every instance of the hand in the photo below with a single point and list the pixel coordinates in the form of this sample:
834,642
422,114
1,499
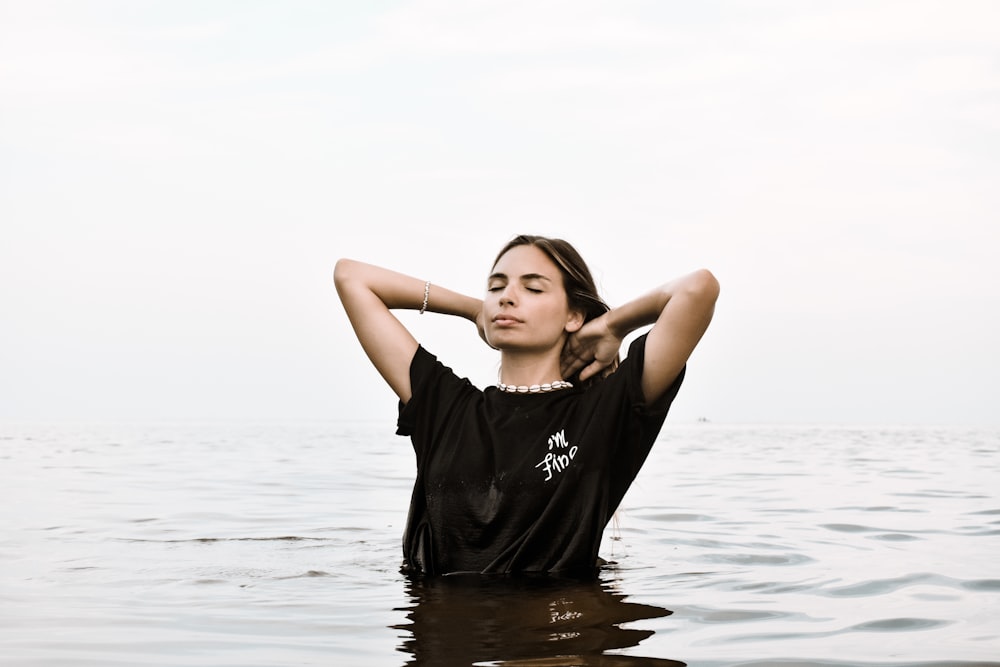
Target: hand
592,348
481,326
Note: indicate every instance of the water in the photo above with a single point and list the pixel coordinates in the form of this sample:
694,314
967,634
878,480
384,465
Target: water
280,545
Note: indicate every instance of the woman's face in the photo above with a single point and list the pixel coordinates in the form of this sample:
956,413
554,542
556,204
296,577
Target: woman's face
525,305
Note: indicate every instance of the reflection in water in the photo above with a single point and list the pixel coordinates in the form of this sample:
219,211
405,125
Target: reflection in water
522,621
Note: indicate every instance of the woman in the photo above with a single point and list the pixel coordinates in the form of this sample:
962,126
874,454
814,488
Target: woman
524,476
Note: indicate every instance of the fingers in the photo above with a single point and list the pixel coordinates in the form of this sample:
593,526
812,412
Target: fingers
592,369
572,359
570,365
583,354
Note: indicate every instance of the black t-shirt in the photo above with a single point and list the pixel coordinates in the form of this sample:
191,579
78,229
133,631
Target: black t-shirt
521,482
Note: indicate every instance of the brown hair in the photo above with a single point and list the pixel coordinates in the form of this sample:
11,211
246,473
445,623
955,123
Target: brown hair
581,291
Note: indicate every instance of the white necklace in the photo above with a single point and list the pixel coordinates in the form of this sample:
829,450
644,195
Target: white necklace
535,388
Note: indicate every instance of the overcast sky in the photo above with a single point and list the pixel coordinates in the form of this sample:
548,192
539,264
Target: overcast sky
178,179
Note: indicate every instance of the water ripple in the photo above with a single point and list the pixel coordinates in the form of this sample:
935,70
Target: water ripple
775,546
897,625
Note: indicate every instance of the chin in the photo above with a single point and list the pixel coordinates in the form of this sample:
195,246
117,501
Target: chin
499,343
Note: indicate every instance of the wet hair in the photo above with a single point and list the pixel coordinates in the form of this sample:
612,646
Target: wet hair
581,290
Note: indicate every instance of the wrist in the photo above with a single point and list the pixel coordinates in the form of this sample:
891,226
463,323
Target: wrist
616,326
626,318
473,309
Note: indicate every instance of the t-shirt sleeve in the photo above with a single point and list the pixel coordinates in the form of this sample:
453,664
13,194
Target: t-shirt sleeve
435,393
632,370
635,423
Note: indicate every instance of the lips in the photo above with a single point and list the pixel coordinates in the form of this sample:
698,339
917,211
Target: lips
504,320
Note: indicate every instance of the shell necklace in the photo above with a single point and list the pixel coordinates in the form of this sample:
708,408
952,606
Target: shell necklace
535,388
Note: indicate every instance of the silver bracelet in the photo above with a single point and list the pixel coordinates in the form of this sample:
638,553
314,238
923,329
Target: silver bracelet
427,296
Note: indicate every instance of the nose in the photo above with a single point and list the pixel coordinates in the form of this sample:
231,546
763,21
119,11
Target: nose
506,296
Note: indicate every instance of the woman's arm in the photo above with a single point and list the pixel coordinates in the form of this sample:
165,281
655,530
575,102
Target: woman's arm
680,312
370,292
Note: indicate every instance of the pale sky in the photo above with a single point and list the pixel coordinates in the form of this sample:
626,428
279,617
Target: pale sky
178,179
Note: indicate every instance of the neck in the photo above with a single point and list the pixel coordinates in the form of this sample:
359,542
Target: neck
529,369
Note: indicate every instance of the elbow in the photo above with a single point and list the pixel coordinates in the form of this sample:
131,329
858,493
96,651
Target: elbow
703,285
343,270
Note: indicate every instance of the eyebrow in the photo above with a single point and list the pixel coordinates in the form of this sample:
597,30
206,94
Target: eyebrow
526,276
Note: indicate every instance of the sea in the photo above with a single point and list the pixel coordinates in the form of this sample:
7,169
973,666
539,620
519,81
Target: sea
268,544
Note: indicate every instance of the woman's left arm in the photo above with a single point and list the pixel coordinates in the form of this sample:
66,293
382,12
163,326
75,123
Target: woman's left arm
680,312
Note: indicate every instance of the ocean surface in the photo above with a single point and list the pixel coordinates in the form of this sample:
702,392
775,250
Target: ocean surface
269,544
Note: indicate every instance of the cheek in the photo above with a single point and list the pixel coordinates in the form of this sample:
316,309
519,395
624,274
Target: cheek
558,314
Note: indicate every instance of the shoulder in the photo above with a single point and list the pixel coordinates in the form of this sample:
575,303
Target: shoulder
624,385
436,391
428,373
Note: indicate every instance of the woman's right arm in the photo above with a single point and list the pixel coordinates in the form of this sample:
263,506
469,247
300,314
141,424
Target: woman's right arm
370,292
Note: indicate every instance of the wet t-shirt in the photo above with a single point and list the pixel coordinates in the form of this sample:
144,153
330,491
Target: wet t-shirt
521,482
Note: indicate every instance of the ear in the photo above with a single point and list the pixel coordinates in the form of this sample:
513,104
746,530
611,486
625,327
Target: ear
575,320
